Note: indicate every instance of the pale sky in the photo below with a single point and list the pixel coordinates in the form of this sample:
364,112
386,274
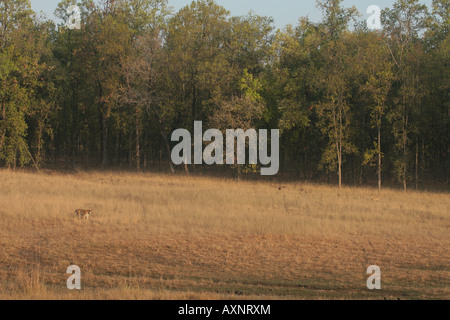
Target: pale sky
284,12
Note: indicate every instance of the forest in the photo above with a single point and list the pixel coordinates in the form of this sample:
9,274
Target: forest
354,106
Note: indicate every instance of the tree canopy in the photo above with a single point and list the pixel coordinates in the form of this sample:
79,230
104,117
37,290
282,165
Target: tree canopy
353,105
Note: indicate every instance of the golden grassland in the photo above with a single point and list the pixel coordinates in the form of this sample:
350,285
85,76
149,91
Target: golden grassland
157,236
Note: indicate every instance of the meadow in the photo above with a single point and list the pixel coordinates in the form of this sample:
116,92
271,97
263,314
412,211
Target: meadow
157,236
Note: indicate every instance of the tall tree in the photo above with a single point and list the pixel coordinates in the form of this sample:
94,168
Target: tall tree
20,69
333,78
377,70
402,26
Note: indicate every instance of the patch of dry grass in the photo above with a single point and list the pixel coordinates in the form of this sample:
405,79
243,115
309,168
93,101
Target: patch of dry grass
169,237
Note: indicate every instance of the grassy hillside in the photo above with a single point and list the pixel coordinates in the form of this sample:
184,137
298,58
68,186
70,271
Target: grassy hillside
171,237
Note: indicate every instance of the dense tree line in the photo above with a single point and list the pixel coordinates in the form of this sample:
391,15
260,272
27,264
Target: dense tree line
353,105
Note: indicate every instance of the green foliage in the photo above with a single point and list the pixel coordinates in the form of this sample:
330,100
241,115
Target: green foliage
346,100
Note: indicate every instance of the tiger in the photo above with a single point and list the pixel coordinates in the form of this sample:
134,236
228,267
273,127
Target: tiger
83,214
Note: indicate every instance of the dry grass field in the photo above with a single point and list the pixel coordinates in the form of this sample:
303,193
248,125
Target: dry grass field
176,237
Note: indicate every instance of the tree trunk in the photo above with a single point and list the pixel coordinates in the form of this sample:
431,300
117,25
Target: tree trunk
3,134
194,103
117,144
130,149
74,131
138,134
379,158
163,133
340,172
340,149
52,150
417,164
32,159
104,141
404,151
186,168
145,148
39,144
